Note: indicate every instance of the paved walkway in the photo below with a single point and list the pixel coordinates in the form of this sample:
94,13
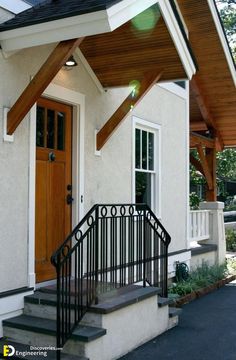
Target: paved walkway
206,331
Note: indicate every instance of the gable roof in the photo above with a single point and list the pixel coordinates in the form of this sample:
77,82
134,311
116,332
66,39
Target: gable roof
49,10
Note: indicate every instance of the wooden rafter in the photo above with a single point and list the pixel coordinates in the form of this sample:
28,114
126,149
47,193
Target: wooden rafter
39,83
205,111
129,103
205,167
196,139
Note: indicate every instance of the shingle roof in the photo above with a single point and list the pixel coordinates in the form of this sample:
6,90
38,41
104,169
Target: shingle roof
49,10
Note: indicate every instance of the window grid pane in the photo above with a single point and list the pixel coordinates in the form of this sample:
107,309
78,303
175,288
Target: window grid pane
150,151
144,150
50,128
137,149
40,127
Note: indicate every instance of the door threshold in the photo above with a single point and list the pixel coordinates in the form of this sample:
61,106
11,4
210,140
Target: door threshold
45,283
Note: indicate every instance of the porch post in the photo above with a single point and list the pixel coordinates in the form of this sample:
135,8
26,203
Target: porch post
216,227
211,194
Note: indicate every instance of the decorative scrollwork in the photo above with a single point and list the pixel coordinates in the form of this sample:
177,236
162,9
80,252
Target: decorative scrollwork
104,211
122,210
113,211
131,210
90,220
78,235
65,250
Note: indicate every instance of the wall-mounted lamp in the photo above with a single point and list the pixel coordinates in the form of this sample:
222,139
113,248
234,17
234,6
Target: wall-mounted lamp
70,62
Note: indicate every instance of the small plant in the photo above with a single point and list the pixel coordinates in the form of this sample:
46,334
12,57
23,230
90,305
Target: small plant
200,277
230,236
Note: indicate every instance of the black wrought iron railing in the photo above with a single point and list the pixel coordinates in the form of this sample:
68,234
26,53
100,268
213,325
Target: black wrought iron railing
113,246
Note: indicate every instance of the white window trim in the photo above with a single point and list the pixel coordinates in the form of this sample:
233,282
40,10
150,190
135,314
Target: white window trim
152,127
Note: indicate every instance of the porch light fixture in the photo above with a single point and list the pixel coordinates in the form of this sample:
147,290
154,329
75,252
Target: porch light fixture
71,62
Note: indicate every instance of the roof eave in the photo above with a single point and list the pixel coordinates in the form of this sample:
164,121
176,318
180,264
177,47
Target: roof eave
223,39
97,23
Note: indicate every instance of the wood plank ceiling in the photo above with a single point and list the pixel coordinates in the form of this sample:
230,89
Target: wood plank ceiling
214,75
128,52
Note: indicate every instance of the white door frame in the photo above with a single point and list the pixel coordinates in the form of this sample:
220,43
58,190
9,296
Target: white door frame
77,100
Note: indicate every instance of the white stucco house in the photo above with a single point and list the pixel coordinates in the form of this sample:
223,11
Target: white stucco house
113,129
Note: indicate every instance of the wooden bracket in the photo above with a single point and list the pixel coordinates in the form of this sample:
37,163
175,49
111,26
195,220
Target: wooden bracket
39,83
129,103
205,167
205,111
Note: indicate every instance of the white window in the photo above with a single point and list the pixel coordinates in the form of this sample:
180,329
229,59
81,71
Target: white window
146,182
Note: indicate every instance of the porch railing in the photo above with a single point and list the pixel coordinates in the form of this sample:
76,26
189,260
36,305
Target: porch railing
113,246
199,225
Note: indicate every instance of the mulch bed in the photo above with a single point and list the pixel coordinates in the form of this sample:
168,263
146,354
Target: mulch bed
201,292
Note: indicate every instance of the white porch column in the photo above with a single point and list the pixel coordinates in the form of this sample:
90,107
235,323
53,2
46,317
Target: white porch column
216,227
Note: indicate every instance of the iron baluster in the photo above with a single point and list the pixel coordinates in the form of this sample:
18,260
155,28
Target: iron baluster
114,245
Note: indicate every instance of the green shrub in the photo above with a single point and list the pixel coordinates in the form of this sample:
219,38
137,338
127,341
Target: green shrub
194,201
230,236
202,276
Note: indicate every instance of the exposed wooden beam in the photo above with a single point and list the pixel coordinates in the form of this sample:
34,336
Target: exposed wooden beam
39,83
196,139
211,194
205,167
149,79
205,111
198,126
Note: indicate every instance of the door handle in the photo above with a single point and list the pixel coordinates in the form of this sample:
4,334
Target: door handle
69,199
51,156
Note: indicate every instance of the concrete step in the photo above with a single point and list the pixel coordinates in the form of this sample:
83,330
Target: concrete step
173,317
21,351
43,303
131,316
162,301
42,332
173,311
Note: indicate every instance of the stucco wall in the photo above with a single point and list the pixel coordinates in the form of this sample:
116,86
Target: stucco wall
107,178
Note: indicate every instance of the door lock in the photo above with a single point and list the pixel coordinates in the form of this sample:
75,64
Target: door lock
69,199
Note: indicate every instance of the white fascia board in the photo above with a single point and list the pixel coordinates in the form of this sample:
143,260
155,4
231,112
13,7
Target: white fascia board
14,6
178,39
55,31
223,40
127,10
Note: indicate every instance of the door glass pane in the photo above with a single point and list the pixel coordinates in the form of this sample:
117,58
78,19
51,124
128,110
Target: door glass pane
150,151
144,150
143,188
50,129
137,148
60,131
40,126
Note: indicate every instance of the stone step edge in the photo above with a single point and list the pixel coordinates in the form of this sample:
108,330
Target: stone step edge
105,306
44,326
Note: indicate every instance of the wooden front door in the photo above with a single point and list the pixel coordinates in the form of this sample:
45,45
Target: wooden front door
53,183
